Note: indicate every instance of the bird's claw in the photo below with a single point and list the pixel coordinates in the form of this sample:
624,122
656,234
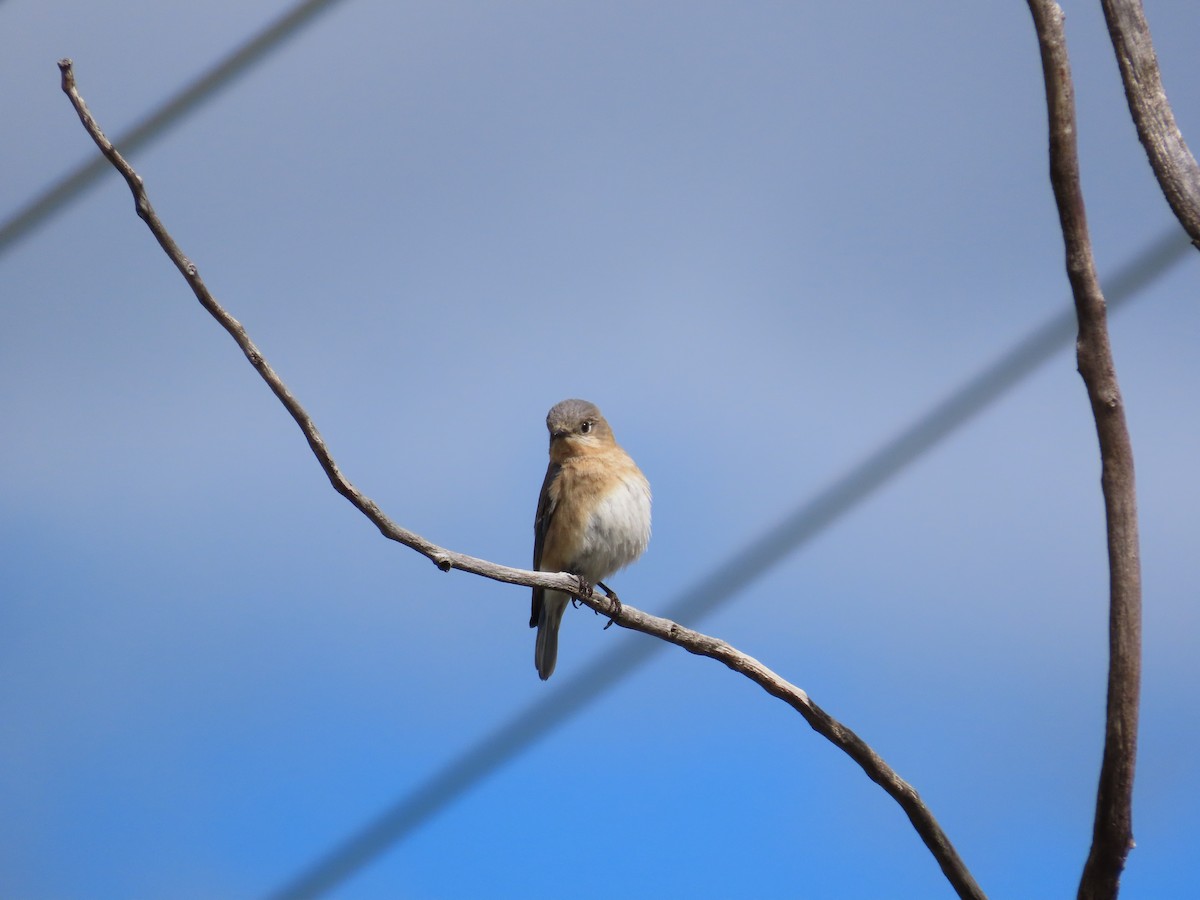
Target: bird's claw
585,590
616,602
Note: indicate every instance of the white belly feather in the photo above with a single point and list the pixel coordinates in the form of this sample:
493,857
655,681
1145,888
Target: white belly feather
617,532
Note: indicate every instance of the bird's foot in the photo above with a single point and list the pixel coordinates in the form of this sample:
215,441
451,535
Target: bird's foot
616,602
585,590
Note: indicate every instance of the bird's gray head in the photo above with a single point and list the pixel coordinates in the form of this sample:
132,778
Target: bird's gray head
577,421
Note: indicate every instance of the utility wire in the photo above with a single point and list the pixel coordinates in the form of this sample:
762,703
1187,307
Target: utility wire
237,63
715,589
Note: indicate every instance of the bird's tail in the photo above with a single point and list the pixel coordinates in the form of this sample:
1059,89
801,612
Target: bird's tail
545,653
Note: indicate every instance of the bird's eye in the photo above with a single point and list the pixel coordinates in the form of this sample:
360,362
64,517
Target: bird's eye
586,427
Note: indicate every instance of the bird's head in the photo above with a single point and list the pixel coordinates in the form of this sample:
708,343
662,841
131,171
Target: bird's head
576,426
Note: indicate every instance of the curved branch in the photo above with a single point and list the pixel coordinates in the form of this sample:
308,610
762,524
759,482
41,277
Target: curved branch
623,614
1173,163
1112,836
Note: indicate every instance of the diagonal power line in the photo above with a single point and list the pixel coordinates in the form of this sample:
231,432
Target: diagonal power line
58,195
719,586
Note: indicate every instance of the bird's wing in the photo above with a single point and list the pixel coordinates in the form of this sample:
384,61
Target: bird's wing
541,524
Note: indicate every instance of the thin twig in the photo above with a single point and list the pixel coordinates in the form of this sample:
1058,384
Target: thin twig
1173,163
622,613
1112,836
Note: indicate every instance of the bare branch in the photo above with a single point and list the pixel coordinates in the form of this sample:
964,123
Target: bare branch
622,613
1112,836
1173,163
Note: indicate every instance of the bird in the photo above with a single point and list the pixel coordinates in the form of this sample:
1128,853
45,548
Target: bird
593,515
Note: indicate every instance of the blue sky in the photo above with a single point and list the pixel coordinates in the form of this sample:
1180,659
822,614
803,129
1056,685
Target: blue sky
763,238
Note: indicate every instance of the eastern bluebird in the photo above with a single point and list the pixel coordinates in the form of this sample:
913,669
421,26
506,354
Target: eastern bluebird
593,515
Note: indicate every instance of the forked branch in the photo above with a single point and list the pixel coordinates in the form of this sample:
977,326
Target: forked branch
623,614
